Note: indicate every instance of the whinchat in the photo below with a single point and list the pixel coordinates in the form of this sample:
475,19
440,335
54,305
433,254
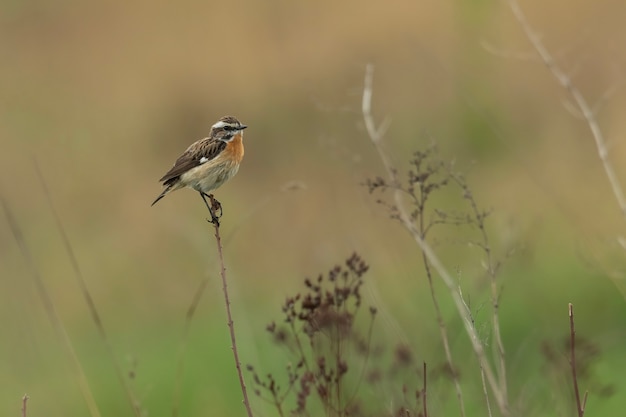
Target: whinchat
208,163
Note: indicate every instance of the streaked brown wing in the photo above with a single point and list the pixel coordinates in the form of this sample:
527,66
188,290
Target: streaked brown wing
207,148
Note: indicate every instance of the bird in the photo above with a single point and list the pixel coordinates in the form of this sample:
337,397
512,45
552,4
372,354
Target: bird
208,163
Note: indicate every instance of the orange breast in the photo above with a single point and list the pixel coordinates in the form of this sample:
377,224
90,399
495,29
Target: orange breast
234,149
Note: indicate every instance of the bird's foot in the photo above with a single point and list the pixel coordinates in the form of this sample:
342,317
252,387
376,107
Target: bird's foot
214,208
215,205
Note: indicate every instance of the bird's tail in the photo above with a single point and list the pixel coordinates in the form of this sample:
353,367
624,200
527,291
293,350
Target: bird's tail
163,194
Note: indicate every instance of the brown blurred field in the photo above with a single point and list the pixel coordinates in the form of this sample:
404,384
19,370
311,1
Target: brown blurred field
103,96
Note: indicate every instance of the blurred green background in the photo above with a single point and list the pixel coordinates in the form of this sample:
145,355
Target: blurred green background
105,95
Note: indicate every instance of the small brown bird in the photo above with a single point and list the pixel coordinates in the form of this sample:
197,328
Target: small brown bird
208,163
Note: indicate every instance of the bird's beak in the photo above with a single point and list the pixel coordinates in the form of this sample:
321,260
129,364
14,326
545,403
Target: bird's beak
242,127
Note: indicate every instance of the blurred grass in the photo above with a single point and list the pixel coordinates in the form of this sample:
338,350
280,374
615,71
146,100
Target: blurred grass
104,95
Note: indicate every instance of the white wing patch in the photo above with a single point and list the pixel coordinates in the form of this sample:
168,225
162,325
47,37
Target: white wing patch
203,159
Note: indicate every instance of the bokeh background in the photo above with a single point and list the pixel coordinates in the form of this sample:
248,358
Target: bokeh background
103,96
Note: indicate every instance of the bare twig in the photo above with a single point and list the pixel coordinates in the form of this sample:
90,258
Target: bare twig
365,360
231,326
424,391
485,393
491,269
52,313
182,349
255,208
580,405
585,109
482,371
24,401
519,56
607,95
91,305
443,331
375,134
404,217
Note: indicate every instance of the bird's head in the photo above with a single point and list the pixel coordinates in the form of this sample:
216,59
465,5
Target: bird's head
227,128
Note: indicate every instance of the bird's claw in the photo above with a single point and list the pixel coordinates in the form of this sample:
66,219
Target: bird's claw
214,220
214,207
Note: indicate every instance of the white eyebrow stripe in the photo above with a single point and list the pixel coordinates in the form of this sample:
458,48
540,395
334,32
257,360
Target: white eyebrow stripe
219,124
203,159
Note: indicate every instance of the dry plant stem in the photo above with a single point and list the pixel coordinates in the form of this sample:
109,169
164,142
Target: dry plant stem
482,371
292,327
338,356
376,138
52,313
231,325
425,413
485,393
581,103
365,363
91,305
24,401
442,327
182,350
580,406
495,316
440,321
479,219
